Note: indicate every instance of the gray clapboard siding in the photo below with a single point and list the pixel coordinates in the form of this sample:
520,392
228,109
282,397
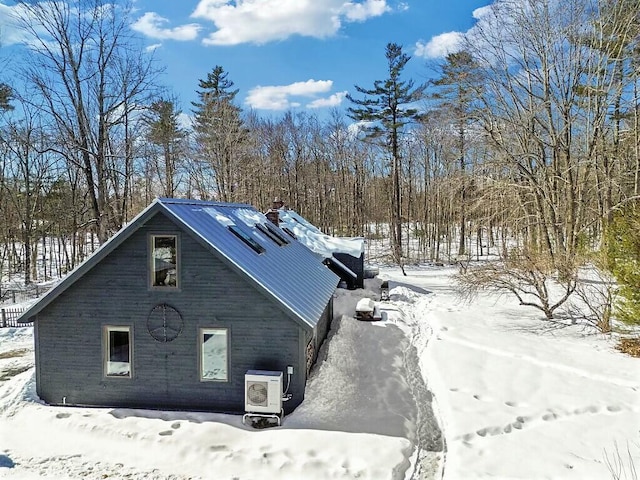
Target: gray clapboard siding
165,375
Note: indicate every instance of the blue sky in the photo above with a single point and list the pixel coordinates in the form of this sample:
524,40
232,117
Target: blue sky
290,54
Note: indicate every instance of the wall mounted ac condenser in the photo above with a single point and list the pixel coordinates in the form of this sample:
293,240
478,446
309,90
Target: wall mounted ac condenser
263,392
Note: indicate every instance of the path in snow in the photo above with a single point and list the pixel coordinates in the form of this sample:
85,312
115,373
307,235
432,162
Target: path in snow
374,370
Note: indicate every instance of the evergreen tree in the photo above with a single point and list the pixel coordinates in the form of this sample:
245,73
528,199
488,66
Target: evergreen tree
220,134
623,254
164,131
455,92
6,94
384,112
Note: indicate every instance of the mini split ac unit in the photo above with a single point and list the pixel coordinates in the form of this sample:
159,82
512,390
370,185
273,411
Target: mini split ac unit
263,391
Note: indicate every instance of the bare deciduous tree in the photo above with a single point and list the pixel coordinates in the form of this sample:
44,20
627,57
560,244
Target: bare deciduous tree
87,72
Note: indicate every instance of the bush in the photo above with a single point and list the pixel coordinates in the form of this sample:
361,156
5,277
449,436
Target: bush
630,346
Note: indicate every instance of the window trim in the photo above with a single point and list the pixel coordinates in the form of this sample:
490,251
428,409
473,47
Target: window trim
201,333
151,262
106,330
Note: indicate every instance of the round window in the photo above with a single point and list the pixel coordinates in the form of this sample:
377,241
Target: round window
164,323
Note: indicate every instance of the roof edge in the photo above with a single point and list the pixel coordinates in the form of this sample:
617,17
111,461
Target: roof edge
124,233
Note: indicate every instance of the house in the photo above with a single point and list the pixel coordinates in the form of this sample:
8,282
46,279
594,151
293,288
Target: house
177,307
343,255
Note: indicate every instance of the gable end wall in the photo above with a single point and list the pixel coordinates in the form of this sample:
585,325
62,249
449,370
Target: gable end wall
69,346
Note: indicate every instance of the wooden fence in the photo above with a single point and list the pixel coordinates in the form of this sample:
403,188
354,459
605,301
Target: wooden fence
10,316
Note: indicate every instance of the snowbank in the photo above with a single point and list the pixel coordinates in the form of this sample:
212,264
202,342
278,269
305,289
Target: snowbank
516,399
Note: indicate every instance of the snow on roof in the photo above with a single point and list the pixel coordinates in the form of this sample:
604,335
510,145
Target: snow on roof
316,240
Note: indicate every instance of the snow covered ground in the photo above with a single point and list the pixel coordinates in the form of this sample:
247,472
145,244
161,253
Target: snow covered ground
515,398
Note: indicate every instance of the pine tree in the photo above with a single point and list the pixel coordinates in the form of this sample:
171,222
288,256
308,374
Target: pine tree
456,91
6,94
164,131
384,112
220,134
623,254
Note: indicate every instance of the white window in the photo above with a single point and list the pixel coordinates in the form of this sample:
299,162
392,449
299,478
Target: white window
164,261
214,354
117,351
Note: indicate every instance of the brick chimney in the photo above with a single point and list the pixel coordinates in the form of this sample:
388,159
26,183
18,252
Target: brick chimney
272,214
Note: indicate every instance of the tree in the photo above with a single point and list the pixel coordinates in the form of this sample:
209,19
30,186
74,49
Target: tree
87,74
164,132
27,172
623,255
455,92
537,122
384,112
6,95
610,85
220,135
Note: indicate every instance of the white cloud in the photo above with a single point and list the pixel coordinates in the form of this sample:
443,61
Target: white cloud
152,25
279,97
492,21
154,47
450,42
359,12
355,128
482,12
262,21
332,101
10,34
185,121
440,45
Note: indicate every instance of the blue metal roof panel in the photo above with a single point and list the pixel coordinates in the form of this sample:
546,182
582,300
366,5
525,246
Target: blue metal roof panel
291,273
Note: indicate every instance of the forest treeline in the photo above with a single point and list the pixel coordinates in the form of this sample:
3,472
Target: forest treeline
526,142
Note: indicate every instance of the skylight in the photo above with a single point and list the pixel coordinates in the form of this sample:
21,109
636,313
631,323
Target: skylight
272,234
247,239
289,232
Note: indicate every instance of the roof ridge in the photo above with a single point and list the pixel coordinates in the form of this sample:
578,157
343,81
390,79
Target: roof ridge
193,201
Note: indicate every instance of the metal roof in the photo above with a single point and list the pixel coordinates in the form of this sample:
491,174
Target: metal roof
290,274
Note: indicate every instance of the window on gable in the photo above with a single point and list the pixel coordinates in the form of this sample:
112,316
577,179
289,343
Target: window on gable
117,350
214,354
164,261
247,239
